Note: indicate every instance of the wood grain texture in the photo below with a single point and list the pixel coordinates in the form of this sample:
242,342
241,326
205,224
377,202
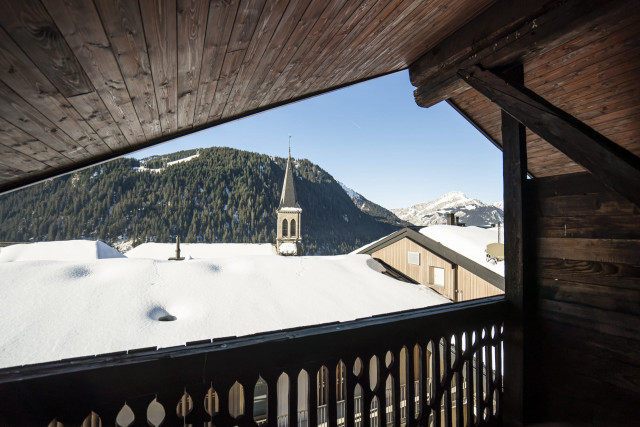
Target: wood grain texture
159,19
220,24
589,301
81,26
123,25
31,26
192,24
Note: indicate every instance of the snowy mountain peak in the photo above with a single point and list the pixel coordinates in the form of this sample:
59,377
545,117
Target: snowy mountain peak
470,211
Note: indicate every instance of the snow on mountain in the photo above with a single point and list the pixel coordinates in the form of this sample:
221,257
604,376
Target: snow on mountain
469,211
371,208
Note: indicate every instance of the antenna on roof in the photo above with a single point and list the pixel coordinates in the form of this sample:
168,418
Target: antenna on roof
289,146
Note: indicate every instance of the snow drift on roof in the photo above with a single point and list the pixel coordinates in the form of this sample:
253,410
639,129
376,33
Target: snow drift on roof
55,310
69,250
162,251
470,242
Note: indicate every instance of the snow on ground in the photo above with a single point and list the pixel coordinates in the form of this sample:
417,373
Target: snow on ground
470,242
53,310
69,250
288,248
162,251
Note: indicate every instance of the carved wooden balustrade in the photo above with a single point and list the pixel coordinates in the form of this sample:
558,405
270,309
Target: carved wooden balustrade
434,366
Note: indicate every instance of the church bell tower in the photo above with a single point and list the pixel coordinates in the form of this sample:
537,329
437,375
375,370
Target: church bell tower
289,240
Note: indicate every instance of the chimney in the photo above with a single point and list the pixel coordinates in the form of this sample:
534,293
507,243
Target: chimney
177,257
451,219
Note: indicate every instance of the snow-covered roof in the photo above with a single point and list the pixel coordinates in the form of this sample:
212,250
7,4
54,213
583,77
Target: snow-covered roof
162,251
68,250
470,242
54,310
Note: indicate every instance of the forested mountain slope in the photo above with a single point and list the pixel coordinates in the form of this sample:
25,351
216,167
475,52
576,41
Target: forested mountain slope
213,195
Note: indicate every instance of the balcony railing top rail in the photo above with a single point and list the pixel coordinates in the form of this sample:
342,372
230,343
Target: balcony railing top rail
70,390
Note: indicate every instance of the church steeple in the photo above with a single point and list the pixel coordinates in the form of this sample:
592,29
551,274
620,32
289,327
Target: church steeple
288,199
289,239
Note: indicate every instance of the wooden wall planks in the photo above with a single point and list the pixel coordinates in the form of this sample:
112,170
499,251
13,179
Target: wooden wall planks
588,299
593,77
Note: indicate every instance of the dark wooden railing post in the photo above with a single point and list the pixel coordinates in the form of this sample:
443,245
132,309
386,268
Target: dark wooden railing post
459,369
313,393
514,148
293,397
411,395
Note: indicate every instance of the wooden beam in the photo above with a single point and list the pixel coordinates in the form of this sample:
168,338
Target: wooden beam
497,22
507,33
514,155
613,165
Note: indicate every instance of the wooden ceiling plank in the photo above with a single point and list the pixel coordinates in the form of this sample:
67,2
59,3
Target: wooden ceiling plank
320,36
9,174
268,24
123,26
93,110
365,51
597,39
614,166
295,64
421,32
249,13
219,27
24,78
18,160
192,25
367,24
32,28
603,74
159,20
81,26
22,115
292,42
341,29
26,144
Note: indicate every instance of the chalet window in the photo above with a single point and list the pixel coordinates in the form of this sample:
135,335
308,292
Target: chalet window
436,276
285,228
293,228
413,258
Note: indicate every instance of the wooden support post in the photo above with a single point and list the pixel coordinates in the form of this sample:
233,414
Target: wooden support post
611,164
514,171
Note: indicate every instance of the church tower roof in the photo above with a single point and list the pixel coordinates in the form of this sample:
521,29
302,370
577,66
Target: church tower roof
288,198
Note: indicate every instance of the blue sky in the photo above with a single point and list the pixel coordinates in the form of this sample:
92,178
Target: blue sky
372,137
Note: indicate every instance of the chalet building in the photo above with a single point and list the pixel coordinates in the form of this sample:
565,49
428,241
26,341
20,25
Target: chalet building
553,84
288,237
435,257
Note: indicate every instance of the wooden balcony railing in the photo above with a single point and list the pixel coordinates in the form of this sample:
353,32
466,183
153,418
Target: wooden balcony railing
439,351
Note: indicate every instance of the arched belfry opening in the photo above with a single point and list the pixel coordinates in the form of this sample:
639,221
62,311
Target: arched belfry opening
289,239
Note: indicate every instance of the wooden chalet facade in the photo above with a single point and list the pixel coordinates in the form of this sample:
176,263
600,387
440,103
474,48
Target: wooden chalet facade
553,83
425,261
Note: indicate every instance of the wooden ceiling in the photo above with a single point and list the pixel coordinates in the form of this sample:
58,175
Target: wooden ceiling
83,81
593,76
